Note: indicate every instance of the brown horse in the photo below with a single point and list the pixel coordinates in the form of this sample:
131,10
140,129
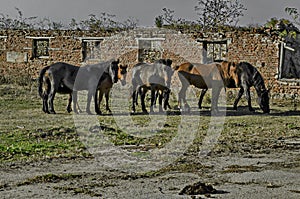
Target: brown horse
107,83
248,76
205,76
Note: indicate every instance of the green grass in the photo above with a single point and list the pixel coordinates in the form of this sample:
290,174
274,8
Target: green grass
27,134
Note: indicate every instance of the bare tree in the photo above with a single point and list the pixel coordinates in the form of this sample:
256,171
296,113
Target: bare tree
293,12
215,14
20,22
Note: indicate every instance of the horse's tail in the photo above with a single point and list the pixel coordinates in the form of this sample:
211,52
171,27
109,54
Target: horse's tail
41,80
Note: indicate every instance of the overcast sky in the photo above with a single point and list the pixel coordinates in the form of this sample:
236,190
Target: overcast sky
258,11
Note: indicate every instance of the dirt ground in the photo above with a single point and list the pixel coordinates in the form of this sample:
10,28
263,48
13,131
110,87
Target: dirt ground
256,156
255,176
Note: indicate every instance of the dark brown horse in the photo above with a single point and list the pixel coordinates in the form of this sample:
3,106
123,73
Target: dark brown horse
205,76
66,78
248,77
154,77
107,83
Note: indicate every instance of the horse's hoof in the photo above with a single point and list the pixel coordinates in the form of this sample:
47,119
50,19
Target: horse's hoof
146,112
177,108
89,112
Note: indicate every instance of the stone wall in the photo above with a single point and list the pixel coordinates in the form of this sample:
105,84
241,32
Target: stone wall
260,49
178,47
63,46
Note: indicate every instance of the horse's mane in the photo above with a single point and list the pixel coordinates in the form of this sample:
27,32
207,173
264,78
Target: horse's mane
257,79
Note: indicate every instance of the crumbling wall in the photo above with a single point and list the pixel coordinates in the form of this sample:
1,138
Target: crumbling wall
260,49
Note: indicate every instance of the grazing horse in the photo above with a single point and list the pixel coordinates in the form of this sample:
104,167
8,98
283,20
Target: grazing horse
107,83
248,77
66,78
205,76
154,77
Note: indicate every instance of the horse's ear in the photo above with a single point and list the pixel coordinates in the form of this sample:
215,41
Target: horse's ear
169,62
190,67
231,65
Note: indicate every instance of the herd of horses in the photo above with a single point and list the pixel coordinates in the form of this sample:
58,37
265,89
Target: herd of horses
99,78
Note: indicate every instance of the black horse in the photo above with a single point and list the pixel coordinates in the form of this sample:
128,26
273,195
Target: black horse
248,76
65,78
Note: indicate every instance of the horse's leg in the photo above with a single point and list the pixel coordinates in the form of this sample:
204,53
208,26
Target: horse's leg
215,98
143,95
159,94
182,97
45,97
89,99
51,96
203,91
100,98
75,101
236,101
69,109
96,102
153,98
133,100
248,97
166,96
51,99
107,100
45,103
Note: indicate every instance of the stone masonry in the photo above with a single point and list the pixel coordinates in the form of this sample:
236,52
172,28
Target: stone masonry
260,49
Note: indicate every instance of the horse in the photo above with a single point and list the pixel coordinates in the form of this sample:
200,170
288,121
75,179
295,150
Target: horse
205,76
154,77
159,93
62,77
248,77
107,83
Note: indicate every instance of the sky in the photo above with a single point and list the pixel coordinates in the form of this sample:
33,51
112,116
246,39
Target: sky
258,11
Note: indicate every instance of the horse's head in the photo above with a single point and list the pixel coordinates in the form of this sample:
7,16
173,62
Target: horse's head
263,101
114,70
122,72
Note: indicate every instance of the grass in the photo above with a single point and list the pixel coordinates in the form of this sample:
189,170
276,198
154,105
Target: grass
27,134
